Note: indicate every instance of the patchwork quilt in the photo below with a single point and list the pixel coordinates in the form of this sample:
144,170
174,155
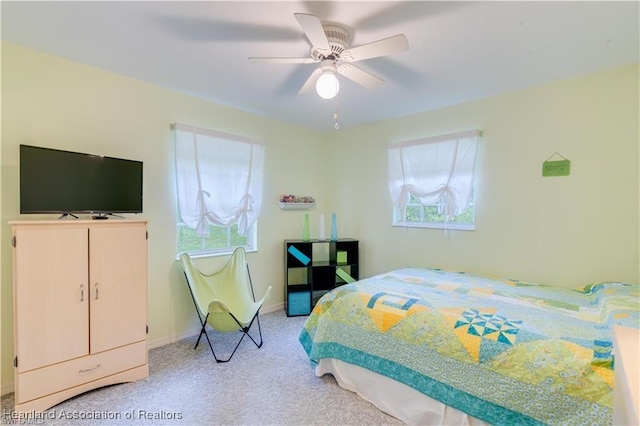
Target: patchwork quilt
504,351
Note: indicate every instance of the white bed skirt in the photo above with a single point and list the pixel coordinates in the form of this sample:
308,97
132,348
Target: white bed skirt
394,398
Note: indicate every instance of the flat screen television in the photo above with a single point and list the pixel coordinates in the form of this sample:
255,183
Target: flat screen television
65,182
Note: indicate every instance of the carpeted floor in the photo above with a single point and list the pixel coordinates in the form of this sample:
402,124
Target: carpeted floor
274,385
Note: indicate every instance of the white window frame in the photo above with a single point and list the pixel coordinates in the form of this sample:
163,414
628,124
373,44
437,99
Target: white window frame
409,175
250,246
206,217
460,226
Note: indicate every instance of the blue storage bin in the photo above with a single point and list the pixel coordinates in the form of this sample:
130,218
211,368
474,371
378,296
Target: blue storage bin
299,303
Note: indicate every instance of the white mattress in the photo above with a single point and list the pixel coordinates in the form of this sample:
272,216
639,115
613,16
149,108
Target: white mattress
394,398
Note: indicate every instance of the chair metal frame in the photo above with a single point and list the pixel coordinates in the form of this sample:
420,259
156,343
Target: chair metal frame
244,330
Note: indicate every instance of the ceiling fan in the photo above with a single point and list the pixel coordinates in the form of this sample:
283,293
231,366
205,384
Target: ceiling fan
331,47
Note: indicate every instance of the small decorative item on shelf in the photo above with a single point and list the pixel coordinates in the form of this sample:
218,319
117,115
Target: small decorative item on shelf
306,236
288,198
321,236
294,202
334,228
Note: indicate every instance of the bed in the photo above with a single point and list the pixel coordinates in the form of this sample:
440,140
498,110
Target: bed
436,347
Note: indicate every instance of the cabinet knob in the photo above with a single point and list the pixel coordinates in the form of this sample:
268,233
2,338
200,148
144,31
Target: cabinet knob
82,292
96,286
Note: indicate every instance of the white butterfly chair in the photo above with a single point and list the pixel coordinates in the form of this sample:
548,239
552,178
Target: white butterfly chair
223,300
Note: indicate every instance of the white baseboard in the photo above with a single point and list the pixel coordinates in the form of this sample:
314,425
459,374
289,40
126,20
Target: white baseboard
6,389
272,308
167,340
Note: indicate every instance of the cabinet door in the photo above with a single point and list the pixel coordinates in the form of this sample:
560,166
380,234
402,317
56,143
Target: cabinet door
51,295
118,280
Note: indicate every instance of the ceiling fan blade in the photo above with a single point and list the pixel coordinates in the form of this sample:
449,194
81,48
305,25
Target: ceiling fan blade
310,84
386,46
254,60
312,28
360,76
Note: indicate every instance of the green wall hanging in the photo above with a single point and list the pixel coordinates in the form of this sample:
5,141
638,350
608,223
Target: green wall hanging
556,167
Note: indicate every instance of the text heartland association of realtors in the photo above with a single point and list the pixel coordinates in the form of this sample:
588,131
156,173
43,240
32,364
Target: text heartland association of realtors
22,416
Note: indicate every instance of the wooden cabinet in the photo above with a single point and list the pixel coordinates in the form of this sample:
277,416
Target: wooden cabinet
80,307
315,267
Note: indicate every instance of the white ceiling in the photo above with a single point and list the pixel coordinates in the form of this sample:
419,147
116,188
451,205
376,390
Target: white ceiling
459,51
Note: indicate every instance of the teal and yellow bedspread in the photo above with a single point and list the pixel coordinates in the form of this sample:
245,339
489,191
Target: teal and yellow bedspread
503,351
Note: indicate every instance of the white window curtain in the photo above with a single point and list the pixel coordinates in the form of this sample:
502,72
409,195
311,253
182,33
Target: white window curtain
437,171
218,178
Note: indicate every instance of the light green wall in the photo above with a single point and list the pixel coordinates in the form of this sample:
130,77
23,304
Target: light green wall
569,230
53,102
3,347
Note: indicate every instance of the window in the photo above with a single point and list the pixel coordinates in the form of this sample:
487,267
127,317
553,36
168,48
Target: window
431,181
219,190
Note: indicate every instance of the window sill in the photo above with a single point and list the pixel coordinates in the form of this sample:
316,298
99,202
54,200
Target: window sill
448,226
214,254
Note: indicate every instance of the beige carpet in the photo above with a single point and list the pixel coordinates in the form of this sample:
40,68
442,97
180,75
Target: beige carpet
274,385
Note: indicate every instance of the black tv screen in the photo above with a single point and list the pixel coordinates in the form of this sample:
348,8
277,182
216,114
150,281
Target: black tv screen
57,181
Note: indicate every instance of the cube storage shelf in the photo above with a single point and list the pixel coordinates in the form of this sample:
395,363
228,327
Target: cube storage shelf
312,268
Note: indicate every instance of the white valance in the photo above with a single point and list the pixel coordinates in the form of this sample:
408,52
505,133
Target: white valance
437,170
218,178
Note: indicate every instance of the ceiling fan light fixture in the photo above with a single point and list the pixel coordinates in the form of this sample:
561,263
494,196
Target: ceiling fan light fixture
327,85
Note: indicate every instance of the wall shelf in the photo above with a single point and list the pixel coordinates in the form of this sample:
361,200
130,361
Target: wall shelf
297,206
